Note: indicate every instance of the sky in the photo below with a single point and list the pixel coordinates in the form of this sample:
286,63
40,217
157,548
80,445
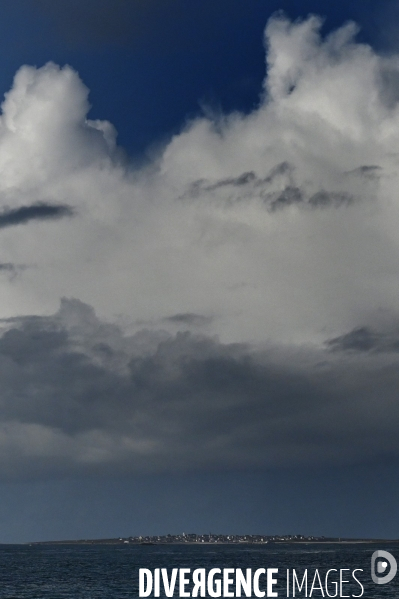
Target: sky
199,268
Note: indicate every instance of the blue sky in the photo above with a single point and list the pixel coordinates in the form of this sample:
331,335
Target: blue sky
187,53
198,266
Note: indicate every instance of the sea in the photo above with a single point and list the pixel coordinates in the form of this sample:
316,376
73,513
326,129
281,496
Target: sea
96,571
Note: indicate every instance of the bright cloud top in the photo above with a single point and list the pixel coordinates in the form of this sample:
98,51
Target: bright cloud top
276,229
278,224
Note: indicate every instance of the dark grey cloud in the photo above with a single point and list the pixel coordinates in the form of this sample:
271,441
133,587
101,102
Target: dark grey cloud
202,185
324,198
295,195
189,319
359,339
10,217
249,186
369,171
78,395
365,339
7,267
289,195
11,270
248,178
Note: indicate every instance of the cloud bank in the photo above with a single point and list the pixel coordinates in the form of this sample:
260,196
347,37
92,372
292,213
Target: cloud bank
244,281
79,396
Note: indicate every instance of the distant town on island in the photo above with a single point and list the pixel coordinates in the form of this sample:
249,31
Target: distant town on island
193,538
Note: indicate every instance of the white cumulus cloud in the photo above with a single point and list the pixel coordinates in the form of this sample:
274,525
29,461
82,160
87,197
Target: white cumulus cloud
279,224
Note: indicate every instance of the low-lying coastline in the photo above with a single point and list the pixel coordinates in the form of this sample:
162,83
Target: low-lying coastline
208,539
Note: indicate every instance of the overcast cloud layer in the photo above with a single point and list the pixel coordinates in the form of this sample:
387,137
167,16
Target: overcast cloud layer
272,238
79,395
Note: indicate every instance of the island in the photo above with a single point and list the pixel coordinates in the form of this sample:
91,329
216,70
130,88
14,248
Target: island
199,539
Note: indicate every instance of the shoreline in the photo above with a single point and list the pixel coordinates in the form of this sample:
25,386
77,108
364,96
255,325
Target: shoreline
213,543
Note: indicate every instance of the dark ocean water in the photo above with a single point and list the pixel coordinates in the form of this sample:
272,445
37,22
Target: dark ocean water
112,571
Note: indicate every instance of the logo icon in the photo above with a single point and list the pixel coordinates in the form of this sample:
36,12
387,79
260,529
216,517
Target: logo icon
379,564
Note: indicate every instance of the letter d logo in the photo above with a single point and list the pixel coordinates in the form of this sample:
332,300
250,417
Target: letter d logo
382,566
